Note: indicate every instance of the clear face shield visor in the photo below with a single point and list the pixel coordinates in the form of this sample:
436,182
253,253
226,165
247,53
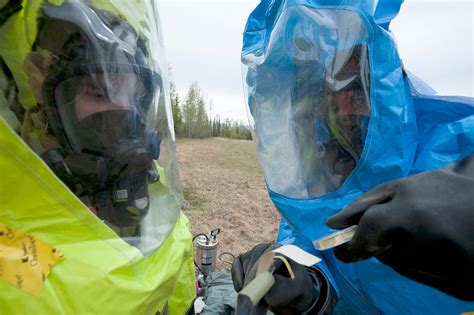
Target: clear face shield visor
102,89
309,99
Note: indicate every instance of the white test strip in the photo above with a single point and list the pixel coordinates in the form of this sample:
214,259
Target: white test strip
298,255
335,239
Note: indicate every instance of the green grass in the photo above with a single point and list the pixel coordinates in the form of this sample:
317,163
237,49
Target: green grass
194,200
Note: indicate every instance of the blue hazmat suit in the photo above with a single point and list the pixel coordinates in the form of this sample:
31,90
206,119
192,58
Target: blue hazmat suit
336,114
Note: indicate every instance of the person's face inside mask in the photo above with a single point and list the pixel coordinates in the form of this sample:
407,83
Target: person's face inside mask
351,111
350,115
107,112
99,93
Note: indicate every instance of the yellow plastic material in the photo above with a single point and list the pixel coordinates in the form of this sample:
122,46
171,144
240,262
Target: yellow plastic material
25,260
101,274
17,38
287,265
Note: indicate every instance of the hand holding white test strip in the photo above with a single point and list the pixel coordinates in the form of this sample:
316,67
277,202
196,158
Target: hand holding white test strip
264,279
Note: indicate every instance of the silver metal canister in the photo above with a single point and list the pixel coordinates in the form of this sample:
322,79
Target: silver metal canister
206,253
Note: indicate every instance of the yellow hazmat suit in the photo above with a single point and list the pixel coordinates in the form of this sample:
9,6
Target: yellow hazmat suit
56,255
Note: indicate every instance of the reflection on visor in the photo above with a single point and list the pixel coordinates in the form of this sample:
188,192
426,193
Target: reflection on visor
311,110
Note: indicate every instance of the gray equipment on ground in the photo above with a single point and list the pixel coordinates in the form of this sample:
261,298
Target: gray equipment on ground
206,252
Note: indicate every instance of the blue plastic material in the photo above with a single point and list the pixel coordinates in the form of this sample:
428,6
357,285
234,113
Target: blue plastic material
411,130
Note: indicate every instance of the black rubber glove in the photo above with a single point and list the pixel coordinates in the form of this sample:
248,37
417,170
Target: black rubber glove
287,296
422,226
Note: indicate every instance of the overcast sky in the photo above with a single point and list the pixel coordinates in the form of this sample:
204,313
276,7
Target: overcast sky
203,40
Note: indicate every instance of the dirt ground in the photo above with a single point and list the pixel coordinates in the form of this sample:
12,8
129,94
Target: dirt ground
224,188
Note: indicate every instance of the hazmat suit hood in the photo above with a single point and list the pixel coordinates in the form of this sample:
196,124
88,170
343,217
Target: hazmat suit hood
89,186
335,114
304,66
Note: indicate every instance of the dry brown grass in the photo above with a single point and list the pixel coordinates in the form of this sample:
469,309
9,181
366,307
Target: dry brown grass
224,188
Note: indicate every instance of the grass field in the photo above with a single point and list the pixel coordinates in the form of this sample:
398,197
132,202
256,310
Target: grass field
224,188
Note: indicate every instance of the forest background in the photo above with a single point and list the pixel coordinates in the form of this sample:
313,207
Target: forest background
193,117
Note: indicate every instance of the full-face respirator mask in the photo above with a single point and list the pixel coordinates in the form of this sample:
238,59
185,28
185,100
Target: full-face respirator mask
97,98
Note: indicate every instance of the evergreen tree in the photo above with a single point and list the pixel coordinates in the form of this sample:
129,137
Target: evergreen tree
193,119
176,109
190,110
202,130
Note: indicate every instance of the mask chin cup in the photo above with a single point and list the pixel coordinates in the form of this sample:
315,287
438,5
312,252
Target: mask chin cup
122,214
124,202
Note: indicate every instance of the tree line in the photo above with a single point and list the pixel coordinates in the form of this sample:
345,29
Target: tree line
192,117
